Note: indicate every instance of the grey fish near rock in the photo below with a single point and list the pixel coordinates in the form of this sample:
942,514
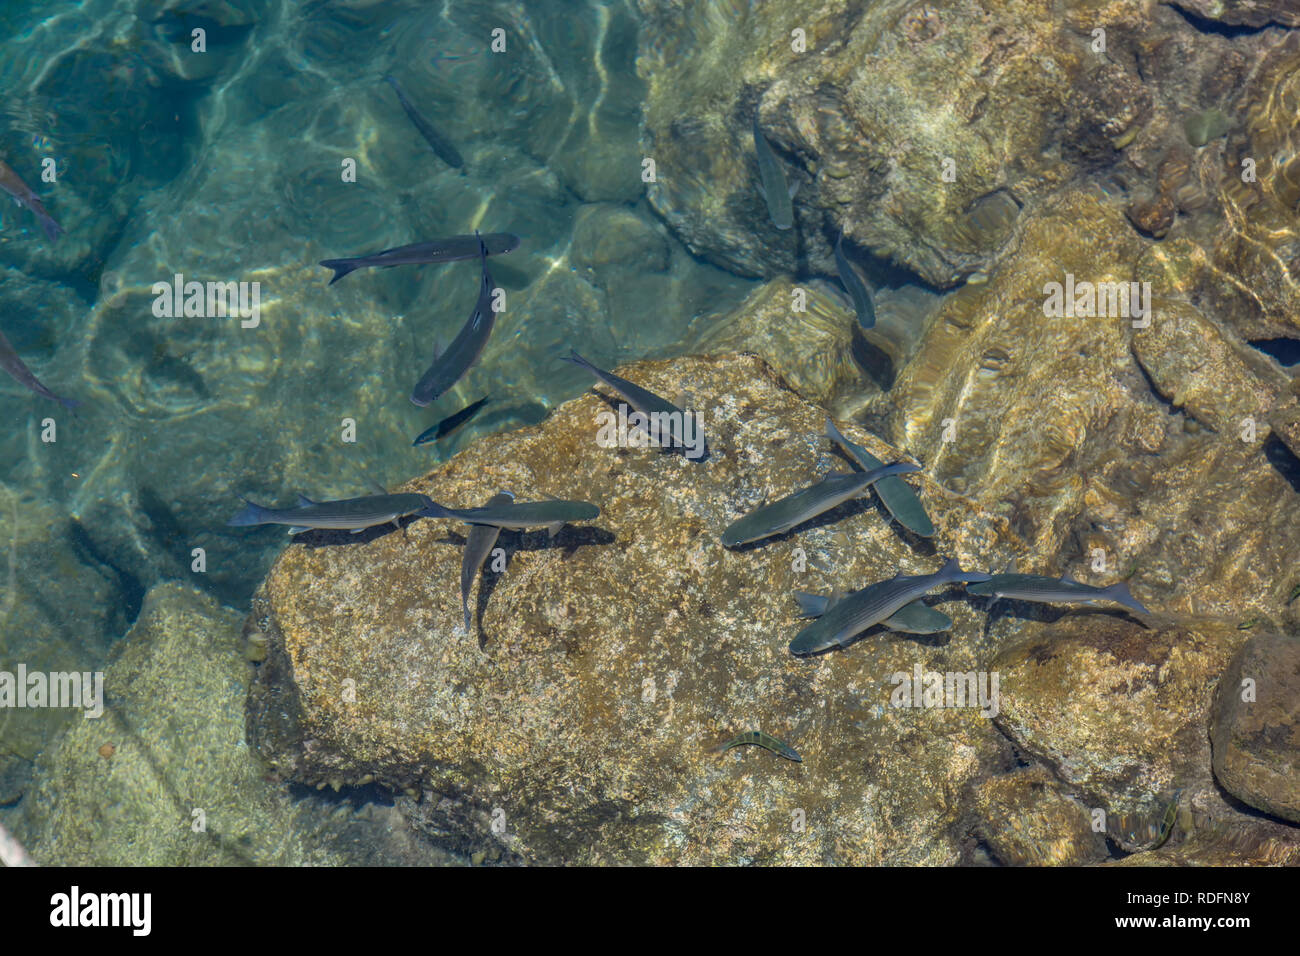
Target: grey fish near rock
759,739
448,368
667,425
449,424
450,249
896,494
855,287
1048,590
914,618
793,510
551,514
23,195
437,142
11,363
874,604
773,186
478,545
347,514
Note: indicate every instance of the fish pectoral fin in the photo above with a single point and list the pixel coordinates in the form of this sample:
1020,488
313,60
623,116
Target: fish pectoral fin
298,529
356,530
761,191
794,187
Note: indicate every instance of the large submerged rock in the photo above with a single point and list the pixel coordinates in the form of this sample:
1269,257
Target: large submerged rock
573,724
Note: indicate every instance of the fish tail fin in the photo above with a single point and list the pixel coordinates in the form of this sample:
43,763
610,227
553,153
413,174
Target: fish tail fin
52,229
952,571
576,359
341,268
1119,593
252,514
432,509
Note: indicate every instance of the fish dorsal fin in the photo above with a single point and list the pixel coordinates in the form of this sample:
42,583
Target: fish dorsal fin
837,595
305,502
1066,579
794,187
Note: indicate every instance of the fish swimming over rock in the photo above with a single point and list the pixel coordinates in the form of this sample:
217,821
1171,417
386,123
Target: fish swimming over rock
23,195
874,604
1048,590
760,739
450,249
448,368
478,545
551,514
855,287
915,618
793,510
896,495
773,186
449,424
667,425
437,142
348,514
11,363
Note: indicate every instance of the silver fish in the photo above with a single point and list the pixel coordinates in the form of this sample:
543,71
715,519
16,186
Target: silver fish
772,175
793,510
14,186
1048,590
896,494
448,368
855,287
874,604
666,423
437,142
451,249
478,545
11,363
551,514
915,618
348,514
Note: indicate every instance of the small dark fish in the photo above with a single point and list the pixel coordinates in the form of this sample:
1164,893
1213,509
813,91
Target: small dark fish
914,618
875,603
450,423
1167,821
772,175
348,514
14,186
855,287
1047,590
793,510
465,349
551,514
478,545
760,739
1295,593
11,363
667,423
435,251
896,494
437,142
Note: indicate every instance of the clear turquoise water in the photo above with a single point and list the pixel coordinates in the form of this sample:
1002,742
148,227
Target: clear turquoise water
226,166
